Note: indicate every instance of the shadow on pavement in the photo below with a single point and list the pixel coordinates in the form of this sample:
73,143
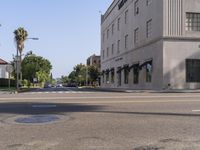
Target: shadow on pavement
45,108
59,108
151,113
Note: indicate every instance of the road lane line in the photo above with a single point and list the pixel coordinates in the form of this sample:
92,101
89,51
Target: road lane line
195,110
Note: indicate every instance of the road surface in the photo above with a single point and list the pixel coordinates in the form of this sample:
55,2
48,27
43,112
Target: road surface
91,120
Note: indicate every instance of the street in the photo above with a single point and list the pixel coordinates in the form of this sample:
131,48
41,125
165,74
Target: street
78,119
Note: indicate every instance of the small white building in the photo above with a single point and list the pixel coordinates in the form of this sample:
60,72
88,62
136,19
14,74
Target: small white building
3,73
151,44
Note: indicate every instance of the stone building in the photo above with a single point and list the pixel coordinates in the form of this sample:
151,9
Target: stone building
151,44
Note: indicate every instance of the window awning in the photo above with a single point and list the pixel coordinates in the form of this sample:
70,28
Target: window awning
102,73
144,64
134,66
112,69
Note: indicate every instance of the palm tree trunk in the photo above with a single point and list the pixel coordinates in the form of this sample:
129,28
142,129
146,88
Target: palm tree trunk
20,67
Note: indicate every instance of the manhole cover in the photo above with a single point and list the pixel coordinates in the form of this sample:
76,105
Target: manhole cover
38,119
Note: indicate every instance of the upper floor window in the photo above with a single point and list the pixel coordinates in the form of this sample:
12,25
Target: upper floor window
113,48
149,28
103,37
126,16
136,35
113,28
118,46
126,41
136,7
103,54
107,33
148,2
118,24
192,22
108,52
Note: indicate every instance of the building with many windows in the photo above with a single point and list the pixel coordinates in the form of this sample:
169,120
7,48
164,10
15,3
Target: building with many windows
151,44
94,60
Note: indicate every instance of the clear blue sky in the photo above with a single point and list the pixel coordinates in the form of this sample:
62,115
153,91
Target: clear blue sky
69,31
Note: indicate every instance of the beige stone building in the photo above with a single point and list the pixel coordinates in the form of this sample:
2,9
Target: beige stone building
94,60
151,44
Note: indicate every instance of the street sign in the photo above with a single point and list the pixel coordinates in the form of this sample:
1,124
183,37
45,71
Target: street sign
9,69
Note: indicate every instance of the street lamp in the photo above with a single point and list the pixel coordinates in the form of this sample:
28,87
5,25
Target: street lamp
18,65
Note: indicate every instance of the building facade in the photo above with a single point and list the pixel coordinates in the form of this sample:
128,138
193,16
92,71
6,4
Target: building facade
151,44
94,60
3,71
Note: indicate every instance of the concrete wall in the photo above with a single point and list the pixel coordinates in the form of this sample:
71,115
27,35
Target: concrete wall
175,53
153,51
3,72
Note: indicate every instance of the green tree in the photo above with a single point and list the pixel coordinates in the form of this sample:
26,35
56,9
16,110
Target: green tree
78,74
93,74
64,79
42,77
20,36
36,67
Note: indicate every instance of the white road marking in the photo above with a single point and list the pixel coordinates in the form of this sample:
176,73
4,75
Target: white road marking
195,110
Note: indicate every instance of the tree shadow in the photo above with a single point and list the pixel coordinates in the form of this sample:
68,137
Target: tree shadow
25,108
45,108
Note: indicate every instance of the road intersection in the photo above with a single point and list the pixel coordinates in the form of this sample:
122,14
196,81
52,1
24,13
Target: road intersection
101,121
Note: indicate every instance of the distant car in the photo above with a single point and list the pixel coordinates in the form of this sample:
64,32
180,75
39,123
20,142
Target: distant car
70,85
59,85
47,86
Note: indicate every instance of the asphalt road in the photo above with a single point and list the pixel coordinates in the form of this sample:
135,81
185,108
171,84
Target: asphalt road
90,120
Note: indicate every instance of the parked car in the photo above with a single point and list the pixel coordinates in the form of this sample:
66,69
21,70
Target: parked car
59,85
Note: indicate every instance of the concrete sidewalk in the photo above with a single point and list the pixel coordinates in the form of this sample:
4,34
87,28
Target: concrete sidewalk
144,91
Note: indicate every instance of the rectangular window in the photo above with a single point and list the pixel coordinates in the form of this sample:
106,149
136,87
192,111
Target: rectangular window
113,28
126,17
126,74
192,22
113,75
107,33
149,28
136,74
192,70
136,7
136,35
118,24
113,48
103,54
149,72
103,37
118,46
148,2
108,52
126,41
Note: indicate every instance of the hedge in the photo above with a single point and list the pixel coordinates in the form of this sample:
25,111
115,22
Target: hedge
4,82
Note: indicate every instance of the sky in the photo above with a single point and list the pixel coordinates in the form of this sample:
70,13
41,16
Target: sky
68,30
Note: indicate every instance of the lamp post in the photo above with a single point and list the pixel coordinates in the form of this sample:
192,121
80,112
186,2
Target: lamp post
18,65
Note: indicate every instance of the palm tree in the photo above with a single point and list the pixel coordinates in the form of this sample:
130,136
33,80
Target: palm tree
20,37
